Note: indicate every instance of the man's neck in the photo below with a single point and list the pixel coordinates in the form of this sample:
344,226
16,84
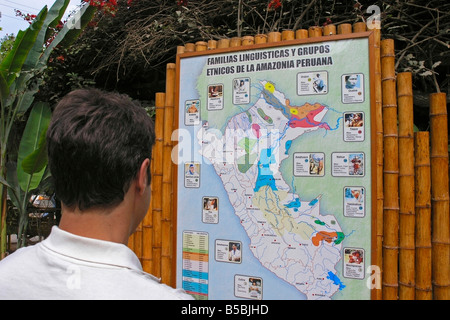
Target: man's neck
103,224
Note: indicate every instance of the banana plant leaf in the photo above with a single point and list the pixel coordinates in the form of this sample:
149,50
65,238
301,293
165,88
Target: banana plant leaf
25,40
54,15
37,123
37,160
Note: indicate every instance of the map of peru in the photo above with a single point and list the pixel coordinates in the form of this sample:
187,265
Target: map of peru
288,235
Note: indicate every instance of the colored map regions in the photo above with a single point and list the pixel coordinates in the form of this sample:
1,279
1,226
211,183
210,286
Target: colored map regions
288,235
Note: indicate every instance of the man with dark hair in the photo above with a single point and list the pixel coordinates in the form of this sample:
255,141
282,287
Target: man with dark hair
99,150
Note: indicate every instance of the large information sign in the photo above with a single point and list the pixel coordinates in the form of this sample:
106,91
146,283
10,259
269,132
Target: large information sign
275,179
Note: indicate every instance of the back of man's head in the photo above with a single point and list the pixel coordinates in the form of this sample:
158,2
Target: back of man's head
96,143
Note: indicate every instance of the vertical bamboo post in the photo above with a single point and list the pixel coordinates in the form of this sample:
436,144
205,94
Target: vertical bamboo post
180,49
423,215
314,31
201,46
167,192
223,43
287,35
329,30
151,220
379,160
235,42
248,40
406,257
189,47
157,177
391,208
137,242
301,34
260,38
344,28
359,27
440,196
274,36
212,44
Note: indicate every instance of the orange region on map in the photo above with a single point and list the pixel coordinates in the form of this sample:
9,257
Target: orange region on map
303,116
324,235
195,256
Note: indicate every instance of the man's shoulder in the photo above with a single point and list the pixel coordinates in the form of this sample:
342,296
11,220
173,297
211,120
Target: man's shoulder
149,287
18,258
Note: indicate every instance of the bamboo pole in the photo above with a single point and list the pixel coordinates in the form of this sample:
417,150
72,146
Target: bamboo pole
235,42
138,242
167,191
223,43
423,216
201,46
440,197
180,49
329,30
301,34
359,27
260,38
248,40
157,176
406,257
287,35
274,36
189,47
212,44
314,31
379,160
344,28
391,206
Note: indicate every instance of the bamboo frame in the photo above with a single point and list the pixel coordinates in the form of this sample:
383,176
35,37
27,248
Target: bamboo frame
391,206
167,188
379,157
406,187
414,259
440,196
423,216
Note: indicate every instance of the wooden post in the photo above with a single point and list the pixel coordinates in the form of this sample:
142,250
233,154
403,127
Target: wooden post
314,31
344,28
274,36
423,215
212,44
329,30
301,34
157,176
167,192
223,43
180,49
189,47
260,38
201,46
440,196
287,35
380,159
248,40
151,220
235,42
391,207
359,27
406,257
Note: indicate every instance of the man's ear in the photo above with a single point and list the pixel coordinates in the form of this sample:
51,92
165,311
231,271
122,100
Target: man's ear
143,177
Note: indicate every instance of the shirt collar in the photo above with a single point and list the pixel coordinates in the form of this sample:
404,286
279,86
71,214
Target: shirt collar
91,250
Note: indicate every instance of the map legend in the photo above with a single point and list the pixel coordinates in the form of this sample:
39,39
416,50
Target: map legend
195,264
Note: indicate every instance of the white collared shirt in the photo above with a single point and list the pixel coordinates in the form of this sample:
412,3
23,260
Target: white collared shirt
67,266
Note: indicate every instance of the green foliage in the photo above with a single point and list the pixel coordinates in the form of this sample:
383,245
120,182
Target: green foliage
6,45
21,73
